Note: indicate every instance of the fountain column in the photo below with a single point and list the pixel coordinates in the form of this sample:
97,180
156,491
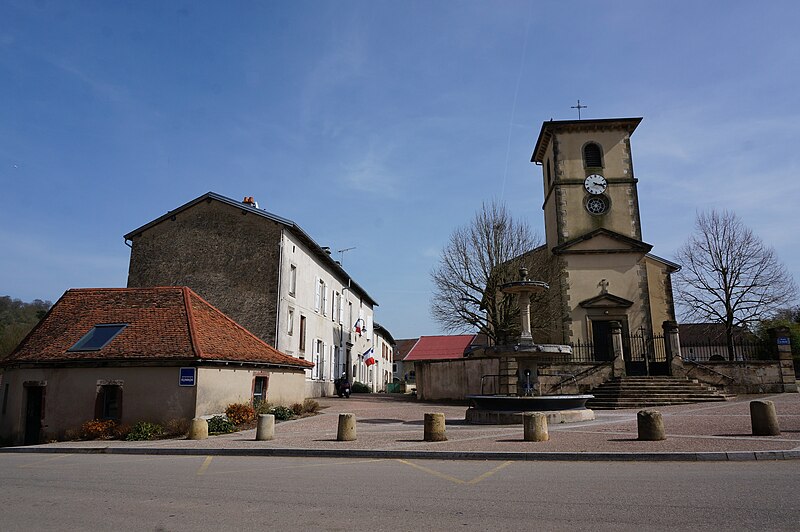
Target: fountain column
524,300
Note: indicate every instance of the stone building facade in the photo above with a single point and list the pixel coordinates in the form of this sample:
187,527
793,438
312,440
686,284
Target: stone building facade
267,274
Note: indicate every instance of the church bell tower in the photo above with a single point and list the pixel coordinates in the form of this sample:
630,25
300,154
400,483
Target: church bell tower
588,178
593,229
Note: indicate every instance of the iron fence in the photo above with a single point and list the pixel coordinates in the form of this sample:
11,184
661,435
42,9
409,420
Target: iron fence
712,351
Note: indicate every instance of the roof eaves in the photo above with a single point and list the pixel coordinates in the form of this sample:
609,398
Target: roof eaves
548,127
674,266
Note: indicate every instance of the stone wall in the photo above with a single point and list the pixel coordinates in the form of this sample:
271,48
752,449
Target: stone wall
227,255
454,379
70,394
219,387
736,377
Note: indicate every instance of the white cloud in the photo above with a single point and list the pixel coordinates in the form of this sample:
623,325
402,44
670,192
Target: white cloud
370,172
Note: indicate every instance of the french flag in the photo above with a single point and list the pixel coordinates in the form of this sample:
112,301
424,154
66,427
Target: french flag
369,358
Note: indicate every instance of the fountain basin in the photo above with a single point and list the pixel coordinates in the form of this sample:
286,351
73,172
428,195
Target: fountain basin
534,403
508,409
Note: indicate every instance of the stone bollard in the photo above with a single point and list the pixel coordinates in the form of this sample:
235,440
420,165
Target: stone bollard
534,426
764,419
347,427
651,425
198,430
265,430
434,427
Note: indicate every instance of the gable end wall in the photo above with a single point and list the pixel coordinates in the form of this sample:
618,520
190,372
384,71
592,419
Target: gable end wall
229,258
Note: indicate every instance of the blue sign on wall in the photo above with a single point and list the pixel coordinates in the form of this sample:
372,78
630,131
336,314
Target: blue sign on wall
783,340
188,377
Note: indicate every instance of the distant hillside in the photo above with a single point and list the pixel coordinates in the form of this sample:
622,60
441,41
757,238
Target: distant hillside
17,318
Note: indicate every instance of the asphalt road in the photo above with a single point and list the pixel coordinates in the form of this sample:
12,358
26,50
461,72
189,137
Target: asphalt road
102,492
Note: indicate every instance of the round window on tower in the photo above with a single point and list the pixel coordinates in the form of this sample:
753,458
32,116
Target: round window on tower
597,204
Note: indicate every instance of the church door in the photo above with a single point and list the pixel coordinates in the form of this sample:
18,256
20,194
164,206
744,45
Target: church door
601,339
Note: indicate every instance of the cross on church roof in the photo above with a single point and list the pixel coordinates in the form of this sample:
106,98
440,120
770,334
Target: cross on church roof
579,107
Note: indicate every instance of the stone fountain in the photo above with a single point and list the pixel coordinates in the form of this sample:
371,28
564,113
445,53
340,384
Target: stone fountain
518,385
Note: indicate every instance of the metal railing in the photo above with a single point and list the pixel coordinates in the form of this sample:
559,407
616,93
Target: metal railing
712,351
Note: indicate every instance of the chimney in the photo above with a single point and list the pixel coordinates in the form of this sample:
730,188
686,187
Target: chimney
249,200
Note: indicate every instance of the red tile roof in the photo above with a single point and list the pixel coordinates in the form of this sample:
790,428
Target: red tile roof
402,347
440,347
163,324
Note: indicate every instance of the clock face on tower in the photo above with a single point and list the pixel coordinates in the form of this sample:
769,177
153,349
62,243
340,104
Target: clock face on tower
595,184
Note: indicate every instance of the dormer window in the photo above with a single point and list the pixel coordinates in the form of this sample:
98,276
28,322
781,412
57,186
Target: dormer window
592,156
99,337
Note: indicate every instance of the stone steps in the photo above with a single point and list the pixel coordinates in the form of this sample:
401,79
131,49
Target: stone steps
638,392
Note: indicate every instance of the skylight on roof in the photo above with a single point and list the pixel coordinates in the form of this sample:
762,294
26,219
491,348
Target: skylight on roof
98,337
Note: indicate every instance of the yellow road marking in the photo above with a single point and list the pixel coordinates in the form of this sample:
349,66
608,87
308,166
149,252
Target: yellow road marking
489,473
205,465
432,472
455,480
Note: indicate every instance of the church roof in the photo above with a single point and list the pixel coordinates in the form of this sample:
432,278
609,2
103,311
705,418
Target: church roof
142,326
552,127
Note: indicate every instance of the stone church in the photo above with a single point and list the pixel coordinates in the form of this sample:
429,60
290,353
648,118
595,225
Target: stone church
605,272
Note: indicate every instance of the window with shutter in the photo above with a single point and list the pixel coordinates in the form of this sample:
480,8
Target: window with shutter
317,294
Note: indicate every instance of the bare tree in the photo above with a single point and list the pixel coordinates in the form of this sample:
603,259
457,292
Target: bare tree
729,276
479,257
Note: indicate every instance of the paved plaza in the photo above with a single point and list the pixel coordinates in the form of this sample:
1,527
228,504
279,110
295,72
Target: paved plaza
392,426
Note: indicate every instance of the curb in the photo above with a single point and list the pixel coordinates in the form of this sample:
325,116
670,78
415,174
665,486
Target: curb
734,456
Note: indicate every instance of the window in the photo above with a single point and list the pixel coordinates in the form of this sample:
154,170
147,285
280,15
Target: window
290,324
335,305
302,333
319,359
292,279
592,156
350,321
98,337
260,390
321,297
109,402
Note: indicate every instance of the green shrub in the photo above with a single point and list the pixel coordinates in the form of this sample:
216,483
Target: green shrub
281,413
220,425
297,409
263,407
359,387
240,413
144,430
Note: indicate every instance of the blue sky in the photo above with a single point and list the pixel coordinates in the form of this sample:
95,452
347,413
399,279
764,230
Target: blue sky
377,125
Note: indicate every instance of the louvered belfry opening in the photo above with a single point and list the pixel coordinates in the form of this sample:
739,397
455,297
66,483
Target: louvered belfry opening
592,156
